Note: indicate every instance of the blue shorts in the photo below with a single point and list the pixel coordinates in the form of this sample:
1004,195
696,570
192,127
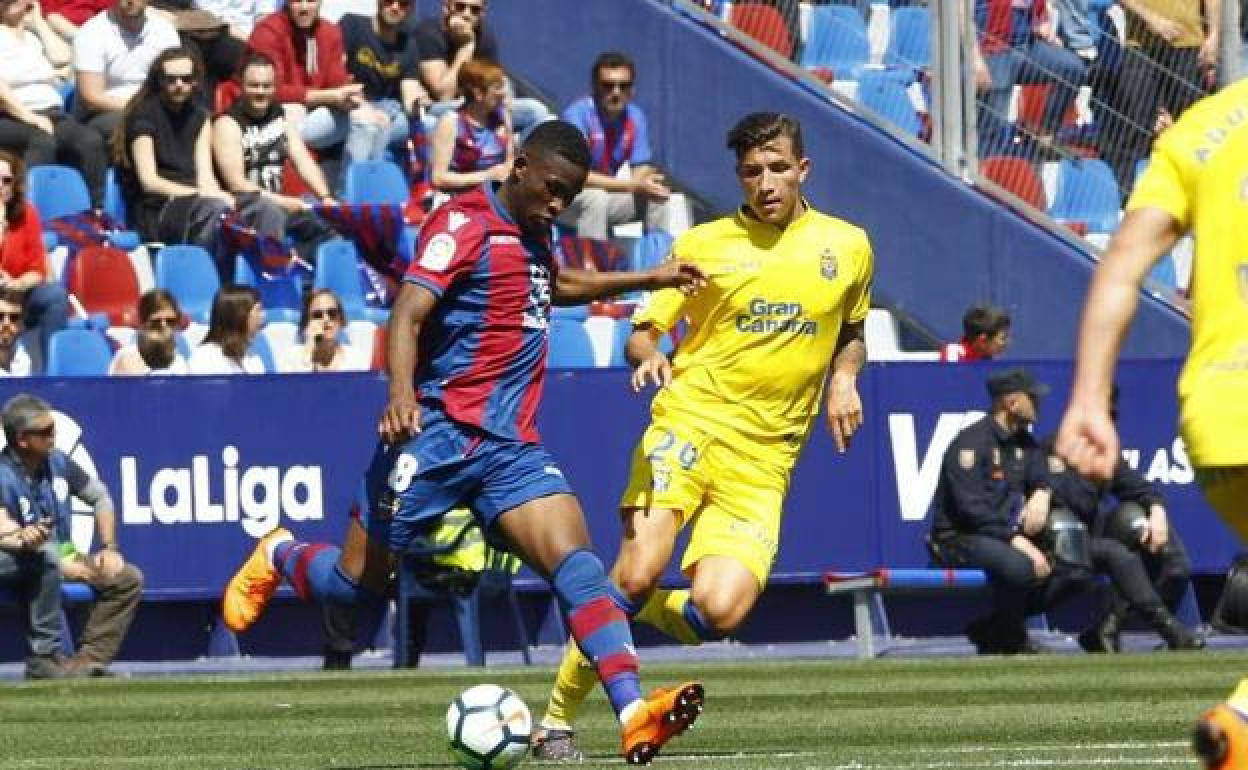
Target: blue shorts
448,465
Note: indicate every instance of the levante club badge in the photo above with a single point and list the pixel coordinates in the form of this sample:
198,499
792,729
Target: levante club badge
827,264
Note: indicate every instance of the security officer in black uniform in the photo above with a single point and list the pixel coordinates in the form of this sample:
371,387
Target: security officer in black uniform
992,500
1132,544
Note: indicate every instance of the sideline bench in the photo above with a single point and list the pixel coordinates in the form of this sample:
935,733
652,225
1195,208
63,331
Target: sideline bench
867,589
71,593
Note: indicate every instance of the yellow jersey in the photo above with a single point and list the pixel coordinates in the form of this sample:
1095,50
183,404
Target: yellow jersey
1198,174
752,365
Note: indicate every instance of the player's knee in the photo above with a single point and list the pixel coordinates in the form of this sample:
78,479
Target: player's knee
722,613
636,582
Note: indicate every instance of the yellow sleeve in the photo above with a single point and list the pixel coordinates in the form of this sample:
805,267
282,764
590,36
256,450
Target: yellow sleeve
1163,185
858,300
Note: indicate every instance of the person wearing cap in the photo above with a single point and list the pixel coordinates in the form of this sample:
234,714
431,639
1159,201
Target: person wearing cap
1147,565
991,503
37,481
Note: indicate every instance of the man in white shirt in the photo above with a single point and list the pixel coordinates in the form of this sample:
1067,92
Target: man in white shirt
112,55
14,361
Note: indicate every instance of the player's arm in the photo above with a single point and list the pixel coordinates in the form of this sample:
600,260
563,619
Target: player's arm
578,287
1087,439
401,418
844,406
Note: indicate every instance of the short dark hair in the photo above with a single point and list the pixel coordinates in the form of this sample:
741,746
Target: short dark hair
12,296
610,60
984,319
758,128
559,137
19,413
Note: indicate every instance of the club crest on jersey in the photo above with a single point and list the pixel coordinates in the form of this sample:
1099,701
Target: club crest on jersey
438,252
827,264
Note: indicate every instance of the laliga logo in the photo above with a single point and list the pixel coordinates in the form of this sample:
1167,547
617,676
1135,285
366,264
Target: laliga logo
68,440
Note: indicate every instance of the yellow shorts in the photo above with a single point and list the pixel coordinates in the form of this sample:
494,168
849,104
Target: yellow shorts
734,501
1226,489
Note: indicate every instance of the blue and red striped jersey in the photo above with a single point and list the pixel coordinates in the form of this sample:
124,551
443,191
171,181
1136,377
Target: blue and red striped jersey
483,349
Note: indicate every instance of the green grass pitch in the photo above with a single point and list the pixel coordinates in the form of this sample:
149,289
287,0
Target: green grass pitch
1060,711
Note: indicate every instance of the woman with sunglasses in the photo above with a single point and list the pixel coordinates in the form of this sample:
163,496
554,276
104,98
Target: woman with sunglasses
159,318
24,262
321,325
472,145
236,317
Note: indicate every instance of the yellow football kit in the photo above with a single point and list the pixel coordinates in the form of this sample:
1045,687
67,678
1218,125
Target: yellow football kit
1198,174
748,377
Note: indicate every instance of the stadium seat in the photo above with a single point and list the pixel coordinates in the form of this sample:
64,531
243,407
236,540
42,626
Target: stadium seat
78,353
765,24
282,297
189,272
59,191
1017,176
375,181
338,269
570,346
114,202
837,41
882,94
882,335
1087,194
650,250
103,280
909,39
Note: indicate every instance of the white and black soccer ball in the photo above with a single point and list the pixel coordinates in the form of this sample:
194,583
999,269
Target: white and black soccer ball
489,727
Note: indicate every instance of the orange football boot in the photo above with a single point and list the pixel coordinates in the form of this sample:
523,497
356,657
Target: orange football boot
661,717
252,586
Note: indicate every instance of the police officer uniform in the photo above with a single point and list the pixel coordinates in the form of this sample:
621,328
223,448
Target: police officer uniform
1150,584
986,475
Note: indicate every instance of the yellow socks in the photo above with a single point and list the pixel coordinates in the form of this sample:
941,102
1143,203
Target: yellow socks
573,684
665,610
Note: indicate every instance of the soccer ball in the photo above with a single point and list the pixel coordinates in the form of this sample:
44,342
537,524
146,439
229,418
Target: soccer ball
489,728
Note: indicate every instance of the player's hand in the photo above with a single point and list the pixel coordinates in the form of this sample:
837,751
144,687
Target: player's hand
401,420
1039,562
677,275
657,369
844,413
1088,441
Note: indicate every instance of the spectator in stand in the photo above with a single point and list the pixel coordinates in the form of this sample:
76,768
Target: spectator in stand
447,43
314,85
240,16
1017,44
473,144
618,137
37,481
321,326
985,334
23,261
14,360
252,142
32,113
113,53
1168,63
236,318
383,57
160,318
66,17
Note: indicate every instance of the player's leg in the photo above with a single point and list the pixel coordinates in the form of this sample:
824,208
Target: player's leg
1221,735
645,551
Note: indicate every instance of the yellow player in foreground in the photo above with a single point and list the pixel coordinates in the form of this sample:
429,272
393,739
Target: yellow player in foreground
778,329
1197,182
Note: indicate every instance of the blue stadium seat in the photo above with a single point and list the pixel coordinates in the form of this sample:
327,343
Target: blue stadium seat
189,272
59,191
375,181
338,269
282,297
570,313
114,201
570,346
837,41
1087,191
78,353
651,249
909,39
881,93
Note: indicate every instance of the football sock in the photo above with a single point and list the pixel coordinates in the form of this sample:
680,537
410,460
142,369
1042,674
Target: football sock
573,684
599,627
312,570
675,614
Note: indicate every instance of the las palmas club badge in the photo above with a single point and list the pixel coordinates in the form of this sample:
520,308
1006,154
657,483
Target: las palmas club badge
827,264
